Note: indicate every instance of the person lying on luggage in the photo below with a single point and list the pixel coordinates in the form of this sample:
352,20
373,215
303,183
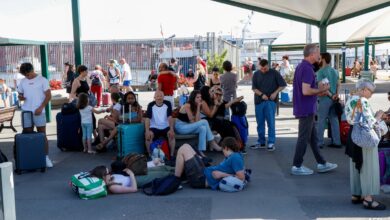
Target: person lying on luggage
201,177
109,122
116,183
159,122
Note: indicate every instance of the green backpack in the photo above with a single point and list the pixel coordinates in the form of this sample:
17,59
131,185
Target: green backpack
87,187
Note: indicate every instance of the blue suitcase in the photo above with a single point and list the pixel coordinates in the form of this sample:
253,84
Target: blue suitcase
131,139
29,150
69,133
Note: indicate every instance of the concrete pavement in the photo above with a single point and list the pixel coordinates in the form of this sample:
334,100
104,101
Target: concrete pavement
272,194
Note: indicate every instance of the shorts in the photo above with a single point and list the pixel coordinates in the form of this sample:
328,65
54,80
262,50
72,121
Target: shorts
39,120
126,82
194,170
170,99
160,133
4,96
87,131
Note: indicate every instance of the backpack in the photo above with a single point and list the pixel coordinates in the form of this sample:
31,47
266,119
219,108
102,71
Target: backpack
241,122
87,187
163,146
162,186
96,80
231,184
136,163
239,108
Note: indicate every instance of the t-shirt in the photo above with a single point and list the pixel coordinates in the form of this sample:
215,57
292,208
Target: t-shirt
168,83
112,75
158,115
34,92
332,75
126,69
229,85
117,107
86,115
267,83
304,105
96,76
232,164
121,179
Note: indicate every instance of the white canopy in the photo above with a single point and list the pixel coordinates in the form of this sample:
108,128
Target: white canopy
377,27
315,12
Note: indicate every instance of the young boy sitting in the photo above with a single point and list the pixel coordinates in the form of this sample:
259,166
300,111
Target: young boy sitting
201,177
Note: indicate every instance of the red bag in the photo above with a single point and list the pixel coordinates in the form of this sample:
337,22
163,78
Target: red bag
106,99
344,129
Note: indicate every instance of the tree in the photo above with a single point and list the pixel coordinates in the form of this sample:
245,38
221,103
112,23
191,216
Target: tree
216,61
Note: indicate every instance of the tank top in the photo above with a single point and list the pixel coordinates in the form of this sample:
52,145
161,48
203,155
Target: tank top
123,180
214,84
84,87
183,117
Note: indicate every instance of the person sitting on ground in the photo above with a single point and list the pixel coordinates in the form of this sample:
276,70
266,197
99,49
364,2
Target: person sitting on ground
116,183
109,122
159,122
86,112
189,122
189,162
116,89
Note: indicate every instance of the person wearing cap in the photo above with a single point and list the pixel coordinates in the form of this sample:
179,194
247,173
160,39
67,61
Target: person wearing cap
126,75
214,80
114,74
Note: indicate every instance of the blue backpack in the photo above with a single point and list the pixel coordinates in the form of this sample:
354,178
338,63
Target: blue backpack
241,123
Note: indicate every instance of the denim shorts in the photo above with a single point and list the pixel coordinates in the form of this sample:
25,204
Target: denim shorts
126,82
194,170
87,131
39,120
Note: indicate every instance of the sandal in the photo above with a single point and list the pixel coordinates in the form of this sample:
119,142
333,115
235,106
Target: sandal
370,205
91,152
356,199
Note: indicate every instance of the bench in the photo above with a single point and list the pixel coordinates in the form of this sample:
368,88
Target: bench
191,139
7,115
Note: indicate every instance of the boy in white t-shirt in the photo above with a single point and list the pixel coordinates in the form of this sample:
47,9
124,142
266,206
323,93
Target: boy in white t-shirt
34,90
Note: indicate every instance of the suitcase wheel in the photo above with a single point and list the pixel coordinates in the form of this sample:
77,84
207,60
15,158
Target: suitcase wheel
17,171
43,169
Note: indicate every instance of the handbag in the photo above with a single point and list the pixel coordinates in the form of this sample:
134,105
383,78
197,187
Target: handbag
338,107
362,134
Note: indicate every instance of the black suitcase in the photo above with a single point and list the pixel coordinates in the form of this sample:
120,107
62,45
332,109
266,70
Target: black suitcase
69,133
29,149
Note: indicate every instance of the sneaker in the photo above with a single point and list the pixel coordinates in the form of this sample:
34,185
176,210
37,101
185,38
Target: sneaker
301,171
257,146
335,146
243,151
271,147
322,168
49,164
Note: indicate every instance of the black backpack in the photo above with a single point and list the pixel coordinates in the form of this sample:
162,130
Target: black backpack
239,108
96,81
162,186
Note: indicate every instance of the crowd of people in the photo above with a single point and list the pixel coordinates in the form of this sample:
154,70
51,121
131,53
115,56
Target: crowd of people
207,110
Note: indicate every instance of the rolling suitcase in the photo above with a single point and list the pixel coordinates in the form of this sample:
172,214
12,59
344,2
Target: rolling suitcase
131,139
69,133
106,99
29,149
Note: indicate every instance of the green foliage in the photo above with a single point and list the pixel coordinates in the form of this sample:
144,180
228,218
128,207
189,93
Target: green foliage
216,60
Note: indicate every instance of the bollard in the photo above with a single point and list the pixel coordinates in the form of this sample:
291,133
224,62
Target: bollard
7,192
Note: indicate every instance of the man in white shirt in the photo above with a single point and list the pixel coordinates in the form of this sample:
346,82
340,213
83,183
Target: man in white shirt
34,90
126,75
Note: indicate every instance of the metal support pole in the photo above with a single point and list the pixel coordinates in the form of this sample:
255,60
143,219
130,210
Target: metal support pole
373,51
356,53
46,74
343,48
366,53
78,53
323,39
269,54
7,188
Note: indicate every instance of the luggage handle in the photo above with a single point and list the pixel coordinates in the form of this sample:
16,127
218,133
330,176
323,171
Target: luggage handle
31,117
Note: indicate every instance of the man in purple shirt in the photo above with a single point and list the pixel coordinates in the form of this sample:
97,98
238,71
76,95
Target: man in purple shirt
305,93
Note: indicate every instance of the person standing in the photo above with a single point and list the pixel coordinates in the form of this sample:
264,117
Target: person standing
97,83
266,84
305,93
114,74
34,90
325,110
228,82
126,75
285,67
167,83
383,62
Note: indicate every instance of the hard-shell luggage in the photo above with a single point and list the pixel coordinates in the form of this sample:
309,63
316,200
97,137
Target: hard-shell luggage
106,99
131,139
69,133
29,149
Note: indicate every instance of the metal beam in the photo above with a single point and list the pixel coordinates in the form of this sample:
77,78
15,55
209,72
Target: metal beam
78,53
46,74
328,12
270,12
358,13
366,53
343,48
323,39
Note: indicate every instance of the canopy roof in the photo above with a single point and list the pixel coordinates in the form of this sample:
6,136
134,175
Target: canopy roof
376,28
15,42
315,12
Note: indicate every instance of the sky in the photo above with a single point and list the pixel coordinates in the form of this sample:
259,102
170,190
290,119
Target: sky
51,20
